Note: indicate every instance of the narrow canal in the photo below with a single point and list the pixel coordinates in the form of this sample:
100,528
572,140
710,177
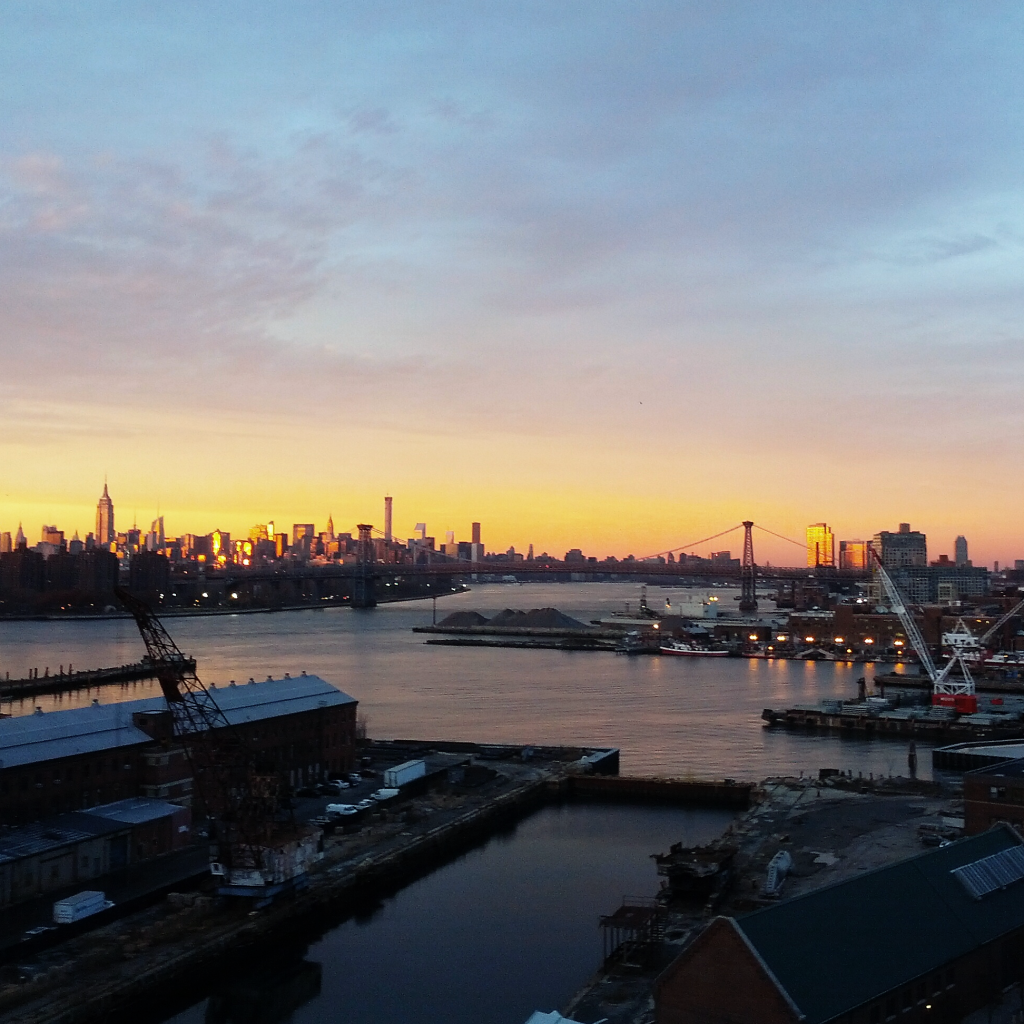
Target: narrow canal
509,928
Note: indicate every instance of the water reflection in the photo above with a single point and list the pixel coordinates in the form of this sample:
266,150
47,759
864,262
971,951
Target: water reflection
267,997
508,928
669,716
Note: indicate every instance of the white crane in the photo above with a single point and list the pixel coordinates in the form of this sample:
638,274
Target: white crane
946,691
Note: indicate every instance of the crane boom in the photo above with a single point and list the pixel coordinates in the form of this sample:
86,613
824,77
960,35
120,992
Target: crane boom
241,803
906,619
959,694
1002,621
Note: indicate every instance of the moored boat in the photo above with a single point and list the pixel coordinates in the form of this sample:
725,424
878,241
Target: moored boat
685,649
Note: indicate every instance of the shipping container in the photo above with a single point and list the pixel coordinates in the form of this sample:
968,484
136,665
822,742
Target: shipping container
395,778
81,905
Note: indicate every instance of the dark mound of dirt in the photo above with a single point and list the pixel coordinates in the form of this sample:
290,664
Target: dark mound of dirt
536,618
463,619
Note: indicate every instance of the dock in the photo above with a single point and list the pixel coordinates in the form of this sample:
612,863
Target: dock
64,682
879,717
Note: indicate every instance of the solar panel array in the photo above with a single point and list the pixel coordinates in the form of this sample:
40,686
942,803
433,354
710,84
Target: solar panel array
989,874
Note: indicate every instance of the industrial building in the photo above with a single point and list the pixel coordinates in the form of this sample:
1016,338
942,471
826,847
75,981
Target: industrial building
73,760
931,938
71,849
995,793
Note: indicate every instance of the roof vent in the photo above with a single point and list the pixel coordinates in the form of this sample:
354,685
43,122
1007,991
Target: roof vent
38,710
997,871
270,679
287,675
251,680
303,671
95,702
232,683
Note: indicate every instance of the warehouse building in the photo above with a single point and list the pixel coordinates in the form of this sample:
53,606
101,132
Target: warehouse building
72,849
72,760
931,938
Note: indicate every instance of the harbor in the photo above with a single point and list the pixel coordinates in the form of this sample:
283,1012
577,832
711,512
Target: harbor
196,936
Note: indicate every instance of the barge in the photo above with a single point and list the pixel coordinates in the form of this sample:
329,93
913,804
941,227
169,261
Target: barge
878,716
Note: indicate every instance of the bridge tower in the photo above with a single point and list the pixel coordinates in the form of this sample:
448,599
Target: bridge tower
363,595
748,571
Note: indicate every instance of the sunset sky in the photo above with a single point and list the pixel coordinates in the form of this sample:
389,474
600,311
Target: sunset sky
596,274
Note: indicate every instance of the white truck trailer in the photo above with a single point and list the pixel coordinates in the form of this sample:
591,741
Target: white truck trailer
82,904
401,774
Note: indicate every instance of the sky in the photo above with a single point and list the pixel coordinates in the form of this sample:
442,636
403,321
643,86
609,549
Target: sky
607,275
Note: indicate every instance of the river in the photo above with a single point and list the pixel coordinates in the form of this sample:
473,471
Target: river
667,715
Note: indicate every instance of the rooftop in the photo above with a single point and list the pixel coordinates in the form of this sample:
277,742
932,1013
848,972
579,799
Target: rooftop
887,927
66,829
1008,770
33,739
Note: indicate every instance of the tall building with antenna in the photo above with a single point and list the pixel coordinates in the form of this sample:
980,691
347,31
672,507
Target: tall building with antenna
387,519
105,535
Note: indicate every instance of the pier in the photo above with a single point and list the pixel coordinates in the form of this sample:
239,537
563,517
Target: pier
880,718
64,682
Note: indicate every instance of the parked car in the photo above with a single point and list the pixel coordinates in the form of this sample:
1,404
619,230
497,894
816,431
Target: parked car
306,791
354,778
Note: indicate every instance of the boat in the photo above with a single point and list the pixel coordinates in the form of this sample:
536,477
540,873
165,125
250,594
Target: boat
1005,659
684,649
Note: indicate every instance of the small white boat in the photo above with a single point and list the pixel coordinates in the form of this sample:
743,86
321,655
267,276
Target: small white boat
684,649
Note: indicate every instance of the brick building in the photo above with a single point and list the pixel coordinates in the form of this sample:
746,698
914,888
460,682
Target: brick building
931,938
992,795
72,760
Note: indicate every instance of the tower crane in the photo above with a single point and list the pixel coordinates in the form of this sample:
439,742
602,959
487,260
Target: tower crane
946,690
252,851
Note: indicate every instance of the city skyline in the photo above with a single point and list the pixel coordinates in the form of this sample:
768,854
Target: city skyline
821,540
603,277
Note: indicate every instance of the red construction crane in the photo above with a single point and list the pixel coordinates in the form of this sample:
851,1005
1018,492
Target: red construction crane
252,850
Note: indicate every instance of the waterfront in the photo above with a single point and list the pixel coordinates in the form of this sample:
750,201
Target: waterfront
508,928
669,716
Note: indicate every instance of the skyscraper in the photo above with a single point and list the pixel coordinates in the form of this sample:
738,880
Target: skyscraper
105,535
853,554
387,519
821,545
961,551
476,533
907,547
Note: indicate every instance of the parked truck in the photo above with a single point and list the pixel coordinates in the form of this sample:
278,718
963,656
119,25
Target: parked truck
82,904
401,774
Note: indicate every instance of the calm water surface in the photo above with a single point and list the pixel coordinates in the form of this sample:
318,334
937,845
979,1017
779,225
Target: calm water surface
668,715
510,928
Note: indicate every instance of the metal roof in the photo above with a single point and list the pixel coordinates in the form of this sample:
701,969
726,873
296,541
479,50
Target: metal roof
887,927
135,810
75,826
54,833
40,737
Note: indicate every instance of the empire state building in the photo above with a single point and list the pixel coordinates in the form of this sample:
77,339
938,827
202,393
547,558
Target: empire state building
105,535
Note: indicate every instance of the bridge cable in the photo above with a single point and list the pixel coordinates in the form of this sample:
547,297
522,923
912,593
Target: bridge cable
696,543
789,540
